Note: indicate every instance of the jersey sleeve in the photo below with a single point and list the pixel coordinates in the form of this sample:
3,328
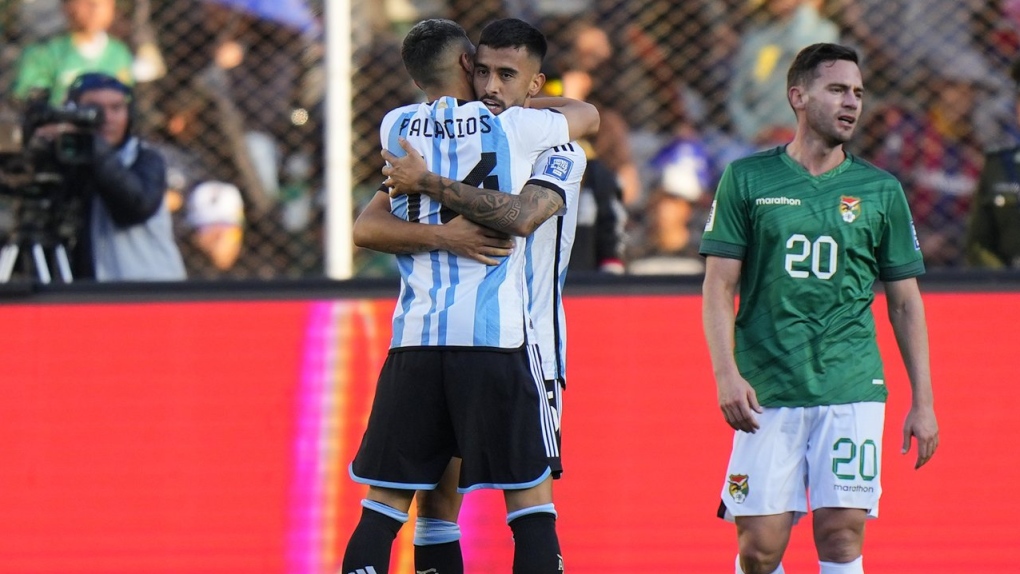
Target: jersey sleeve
726,233
536,129
561,169
899,253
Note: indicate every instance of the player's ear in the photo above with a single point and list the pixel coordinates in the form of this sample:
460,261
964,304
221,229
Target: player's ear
536,84
797,96
467,61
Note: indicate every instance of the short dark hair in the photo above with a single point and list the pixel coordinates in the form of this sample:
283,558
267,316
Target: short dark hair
805,66
426,43
514,33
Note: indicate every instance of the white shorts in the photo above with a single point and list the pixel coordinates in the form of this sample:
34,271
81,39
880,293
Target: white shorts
832,453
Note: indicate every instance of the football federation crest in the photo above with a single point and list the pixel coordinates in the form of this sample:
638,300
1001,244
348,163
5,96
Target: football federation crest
738,487
849,208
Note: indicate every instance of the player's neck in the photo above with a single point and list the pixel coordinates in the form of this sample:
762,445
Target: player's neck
814,155
459,92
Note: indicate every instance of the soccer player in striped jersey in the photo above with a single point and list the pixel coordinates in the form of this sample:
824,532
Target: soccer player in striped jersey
802,232
459,322
547,255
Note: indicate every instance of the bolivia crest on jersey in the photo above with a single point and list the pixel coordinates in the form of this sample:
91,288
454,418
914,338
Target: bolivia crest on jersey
738,487
849,208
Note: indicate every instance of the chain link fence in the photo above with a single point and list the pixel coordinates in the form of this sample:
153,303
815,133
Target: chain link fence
233,91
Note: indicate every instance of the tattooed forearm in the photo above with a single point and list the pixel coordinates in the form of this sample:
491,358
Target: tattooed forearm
514,214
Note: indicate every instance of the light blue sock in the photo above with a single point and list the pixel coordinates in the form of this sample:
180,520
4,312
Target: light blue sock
549,508
385,510
428,531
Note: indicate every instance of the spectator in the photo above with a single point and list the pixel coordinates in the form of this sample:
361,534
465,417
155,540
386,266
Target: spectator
937,155
757,102
683,178
598,238
85,47
215,215
993,231
588,52
125,230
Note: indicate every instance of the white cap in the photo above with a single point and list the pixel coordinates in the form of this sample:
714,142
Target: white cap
215,202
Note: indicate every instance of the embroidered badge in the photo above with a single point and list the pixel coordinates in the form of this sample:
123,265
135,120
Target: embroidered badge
738,487
849,208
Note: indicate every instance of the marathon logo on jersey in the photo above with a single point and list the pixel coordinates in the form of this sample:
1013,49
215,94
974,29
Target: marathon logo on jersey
776,201
559,167
738,487
849,208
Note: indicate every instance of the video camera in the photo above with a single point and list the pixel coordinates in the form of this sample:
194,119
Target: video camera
32,166
39,210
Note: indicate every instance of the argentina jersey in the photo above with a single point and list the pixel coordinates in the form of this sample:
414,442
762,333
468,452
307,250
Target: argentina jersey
446,300
547,253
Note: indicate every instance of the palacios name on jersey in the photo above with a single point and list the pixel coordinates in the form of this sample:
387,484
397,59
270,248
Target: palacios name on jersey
449,128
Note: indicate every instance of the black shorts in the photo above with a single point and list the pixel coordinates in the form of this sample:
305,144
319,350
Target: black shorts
486,406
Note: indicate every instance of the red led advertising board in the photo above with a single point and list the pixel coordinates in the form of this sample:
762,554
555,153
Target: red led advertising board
214,437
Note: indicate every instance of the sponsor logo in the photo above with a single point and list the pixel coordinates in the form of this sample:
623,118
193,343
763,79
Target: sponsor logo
738,487
559,167
776,201
849,208
711,217
854,488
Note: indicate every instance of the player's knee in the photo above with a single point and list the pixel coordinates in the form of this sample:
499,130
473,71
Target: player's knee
838,545
439,505
839,536
756,560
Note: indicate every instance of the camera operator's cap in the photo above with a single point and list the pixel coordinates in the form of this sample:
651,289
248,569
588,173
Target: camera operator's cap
90,81
215,203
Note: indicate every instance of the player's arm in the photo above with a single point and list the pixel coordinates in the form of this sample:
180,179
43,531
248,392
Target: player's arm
378,229
582,117
906,314
517,214
737,398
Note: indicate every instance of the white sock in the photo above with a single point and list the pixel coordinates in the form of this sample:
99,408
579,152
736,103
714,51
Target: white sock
778,570
853,567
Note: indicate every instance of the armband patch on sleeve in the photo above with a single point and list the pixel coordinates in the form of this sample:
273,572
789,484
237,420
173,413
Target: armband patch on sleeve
559,167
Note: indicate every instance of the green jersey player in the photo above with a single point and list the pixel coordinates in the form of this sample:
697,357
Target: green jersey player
801,233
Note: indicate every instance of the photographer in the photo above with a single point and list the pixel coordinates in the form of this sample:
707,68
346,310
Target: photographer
125,232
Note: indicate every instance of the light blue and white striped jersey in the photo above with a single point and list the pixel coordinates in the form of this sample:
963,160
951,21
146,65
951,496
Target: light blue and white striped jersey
446,300
547,253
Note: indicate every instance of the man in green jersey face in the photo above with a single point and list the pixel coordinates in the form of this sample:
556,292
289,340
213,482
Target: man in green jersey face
802,232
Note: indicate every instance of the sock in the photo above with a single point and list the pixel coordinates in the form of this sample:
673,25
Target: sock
536,546
437,547
779,569
368,550
852,567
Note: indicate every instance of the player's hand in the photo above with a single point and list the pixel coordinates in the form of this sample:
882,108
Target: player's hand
738,402
404,174
921,424
466,238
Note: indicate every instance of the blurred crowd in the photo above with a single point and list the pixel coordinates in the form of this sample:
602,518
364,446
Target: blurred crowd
231,94
686,87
